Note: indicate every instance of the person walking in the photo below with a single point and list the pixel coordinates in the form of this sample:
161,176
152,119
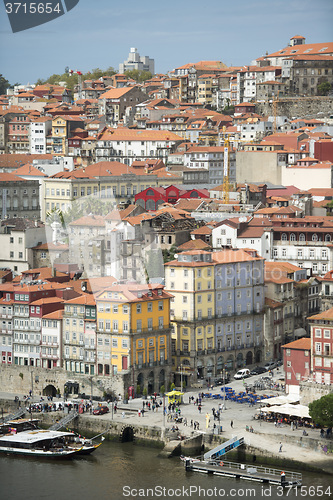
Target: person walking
280,449
232,424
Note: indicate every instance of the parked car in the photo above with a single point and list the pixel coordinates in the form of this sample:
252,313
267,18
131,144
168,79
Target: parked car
220,381
258,370
101,410
270,365
243,373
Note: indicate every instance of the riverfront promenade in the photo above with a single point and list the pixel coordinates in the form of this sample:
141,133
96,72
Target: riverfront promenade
265,437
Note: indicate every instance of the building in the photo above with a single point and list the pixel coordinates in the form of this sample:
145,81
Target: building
133,335
211,158
296,364
216,313
79,335
129,145
326,296
40,128
18,237
322,347
19,198
137,62
120,104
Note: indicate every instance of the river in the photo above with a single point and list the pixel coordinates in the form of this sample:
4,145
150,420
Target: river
119,471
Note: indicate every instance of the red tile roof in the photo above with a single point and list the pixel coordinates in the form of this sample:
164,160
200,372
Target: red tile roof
303,344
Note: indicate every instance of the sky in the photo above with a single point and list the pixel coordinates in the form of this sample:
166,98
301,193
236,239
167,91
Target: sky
100,33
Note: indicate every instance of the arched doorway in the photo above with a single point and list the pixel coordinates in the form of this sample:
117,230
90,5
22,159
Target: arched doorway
210,368
249,358
219,366
258,357
127,434
50,390
230,363
151,382
239,360
161,380
139,383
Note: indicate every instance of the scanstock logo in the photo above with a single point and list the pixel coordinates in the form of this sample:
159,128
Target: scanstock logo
25,15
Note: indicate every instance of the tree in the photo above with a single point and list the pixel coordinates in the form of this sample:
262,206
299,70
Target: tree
169,254
323,88
4,84
138,76
321,411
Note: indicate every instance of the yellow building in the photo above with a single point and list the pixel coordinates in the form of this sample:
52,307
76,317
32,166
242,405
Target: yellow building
190,279
133,337
61,128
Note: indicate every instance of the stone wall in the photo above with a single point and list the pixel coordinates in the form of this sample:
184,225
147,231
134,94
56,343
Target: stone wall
20,380
292,107
310,391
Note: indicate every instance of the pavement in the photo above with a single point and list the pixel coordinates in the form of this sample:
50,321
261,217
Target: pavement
265,436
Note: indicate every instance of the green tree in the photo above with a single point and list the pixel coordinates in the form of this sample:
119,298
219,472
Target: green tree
169,254
321,411
4,84
138,76
324,88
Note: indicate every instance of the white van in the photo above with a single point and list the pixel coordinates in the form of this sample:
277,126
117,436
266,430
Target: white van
243,373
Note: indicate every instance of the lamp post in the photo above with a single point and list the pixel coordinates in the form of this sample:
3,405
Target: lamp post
181,377
224,400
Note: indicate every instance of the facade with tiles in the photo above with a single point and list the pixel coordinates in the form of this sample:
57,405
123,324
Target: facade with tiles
216,313
322,347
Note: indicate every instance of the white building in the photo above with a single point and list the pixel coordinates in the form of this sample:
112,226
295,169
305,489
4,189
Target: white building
135,61
51,341
39,130
18,237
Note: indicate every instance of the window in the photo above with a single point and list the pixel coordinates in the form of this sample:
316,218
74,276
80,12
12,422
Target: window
138,308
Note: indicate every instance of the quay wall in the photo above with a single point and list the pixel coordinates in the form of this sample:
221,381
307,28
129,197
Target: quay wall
22,379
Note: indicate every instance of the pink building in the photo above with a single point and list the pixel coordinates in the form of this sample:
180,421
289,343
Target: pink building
322,346
297,363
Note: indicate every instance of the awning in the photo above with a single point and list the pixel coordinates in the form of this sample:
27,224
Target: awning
300,411
280,400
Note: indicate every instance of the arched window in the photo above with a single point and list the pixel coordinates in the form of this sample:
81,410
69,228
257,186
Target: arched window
292,237
327,237
150,192
284,237
302,237
315,237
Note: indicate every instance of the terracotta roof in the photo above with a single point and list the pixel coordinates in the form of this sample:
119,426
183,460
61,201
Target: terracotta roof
126,134
29,169
7,177
196,244
47,300
89,220
84,299
314,48
54,315
273,303
326,315
51,247
115,93
303,344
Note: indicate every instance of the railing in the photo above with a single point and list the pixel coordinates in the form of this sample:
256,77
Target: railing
297,476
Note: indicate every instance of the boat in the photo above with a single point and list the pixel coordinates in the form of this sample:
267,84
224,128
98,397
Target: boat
44,443
19,425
